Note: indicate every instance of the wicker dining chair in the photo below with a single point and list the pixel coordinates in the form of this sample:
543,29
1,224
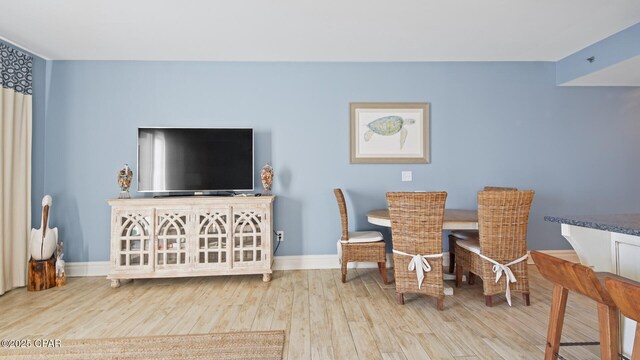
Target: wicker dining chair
501,248
467,234
416,231
368,246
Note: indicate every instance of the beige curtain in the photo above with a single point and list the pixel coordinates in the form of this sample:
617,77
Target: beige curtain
15,166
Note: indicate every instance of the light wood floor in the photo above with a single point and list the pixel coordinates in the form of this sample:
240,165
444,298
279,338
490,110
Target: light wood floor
323,318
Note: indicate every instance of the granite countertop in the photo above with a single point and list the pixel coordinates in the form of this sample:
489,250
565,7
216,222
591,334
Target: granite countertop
619,223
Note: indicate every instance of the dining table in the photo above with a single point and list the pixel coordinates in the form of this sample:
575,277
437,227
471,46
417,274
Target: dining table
454,219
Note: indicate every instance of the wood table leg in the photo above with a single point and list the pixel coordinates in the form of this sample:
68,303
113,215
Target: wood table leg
440,303
452,253
400,298
556,321
609,327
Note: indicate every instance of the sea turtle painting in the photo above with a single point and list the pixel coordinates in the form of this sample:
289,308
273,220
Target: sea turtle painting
387,126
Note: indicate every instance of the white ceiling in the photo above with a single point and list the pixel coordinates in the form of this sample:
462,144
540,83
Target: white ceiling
312,30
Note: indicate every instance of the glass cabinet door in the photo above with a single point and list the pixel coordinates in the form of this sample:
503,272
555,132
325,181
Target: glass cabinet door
134,241
212,229
248,235
172,246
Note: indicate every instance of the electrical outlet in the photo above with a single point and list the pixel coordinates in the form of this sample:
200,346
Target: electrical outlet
407,176
280,235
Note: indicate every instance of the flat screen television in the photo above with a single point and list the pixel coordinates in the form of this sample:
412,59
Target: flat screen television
195,160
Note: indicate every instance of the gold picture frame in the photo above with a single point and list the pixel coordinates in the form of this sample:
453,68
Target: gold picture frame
390,133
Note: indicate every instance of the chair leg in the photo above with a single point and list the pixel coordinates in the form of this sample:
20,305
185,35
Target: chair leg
344,271
440,303
400,298
452,253
471,279
609,331
488,300
382,267
459,271
526,299
556,321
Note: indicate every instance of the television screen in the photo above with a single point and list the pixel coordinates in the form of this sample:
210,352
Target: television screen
195,160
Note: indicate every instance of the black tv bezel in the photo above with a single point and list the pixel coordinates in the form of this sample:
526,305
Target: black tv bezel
192,191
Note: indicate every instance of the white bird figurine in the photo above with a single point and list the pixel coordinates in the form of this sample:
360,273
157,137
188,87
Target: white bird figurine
44,240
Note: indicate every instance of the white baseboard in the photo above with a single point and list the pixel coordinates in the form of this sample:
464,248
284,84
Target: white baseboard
91,268
307,262
298,262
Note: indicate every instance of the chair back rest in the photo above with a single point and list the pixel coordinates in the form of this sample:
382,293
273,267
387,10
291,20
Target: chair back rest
573,276
416,221
503,217
342,206
499,188
626,294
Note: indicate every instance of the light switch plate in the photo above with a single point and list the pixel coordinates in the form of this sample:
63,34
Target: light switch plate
407,176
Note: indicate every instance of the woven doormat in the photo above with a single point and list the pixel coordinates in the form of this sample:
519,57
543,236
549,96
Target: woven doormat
233,345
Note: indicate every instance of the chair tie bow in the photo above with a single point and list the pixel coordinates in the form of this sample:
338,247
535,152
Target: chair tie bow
500,269
418,263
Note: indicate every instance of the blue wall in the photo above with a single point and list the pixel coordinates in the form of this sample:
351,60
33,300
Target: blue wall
491,124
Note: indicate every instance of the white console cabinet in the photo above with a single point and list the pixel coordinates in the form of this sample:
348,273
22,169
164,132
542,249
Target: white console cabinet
190,236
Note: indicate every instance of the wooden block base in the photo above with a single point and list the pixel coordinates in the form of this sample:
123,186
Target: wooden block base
41,274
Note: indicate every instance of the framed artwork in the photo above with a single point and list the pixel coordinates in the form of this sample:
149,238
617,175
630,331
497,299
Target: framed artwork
389,133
